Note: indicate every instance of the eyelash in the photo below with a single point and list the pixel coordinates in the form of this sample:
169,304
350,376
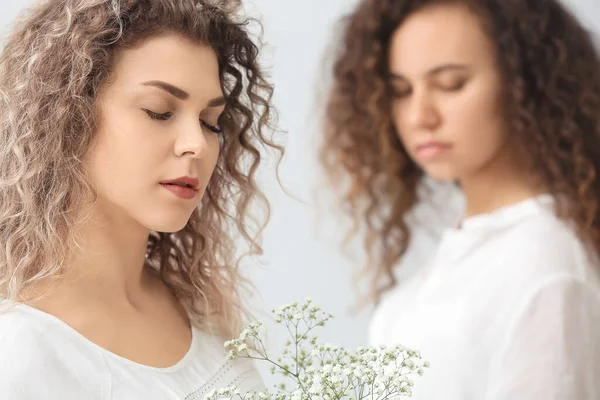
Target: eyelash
455,86
167,115
448,88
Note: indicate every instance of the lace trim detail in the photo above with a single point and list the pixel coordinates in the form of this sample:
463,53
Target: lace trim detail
226,376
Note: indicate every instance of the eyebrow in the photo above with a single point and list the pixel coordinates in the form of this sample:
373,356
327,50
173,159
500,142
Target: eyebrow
435,71
182,94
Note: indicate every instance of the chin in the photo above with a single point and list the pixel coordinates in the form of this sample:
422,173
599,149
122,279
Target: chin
167,225
171,227
440,173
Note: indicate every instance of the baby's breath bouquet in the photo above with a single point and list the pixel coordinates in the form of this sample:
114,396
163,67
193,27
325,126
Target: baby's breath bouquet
323,371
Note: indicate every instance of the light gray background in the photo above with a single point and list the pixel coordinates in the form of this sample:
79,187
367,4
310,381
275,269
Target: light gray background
301,253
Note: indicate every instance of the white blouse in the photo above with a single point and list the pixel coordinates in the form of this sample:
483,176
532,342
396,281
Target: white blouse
41,357
507,309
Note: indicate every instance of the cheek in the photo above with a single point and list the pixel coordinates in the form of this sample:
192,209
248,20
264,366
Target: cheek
210,159
102,157
122,158
477,125
398,121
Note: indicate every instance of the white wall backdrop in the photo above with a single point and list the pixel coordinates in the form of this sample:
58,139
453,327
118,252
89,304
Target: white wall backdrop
301,254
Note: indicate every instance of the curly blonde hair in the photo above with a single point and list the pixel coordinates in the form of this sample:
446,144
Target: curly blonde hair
551,70
51,70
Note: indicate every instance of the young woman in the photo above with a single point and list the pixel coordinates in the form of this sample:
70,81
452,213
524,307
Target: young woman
130,133
503,98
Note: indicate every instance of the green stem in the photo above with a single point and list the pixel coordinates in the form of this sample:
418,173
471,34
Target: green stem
274,363
296,343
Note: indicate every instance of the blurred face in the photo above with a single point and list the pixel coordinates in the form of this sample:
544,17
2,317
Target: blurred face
447,107
158,140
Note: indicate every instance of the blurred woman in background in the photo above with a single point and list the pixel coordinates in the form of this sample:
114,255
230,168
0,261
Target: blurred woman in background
503,98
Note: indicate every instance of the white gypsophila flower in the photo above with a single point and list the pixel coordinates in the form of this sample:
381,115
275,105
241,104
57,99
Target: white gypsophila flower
316,388
296,395
326,371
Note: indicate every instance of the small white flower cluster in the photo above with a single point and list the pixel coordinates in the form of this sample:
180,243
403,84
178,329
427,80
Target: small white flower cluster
324,371
239,347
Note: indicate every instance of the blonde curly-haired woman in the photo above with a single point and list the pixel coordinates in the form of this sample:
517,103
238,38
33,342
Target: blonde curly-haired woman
130,131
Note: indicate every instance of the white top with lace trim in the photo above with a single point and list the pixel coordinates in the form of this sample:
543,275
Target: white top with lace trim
42,357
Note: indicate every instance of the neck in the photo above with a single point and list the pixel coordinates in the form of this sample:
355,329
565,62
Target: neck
499,184
108,264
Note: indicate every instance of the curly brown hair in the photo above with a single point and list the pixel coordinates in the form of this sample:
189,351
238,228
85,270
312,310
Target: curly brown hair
53,65
551,71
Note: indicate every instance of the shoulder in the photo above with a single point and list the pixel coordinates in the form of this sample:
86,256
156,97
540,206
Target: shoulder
536,256
24,343
39,360
552,278
545,245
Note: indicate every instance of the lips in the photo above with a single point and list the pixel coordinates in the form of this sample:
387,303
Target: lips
184,181
432,149
184,187
178,184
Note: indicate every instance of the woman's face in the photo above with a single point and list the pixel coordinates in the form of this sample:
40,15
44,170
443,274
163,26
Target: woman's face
158,123
447,107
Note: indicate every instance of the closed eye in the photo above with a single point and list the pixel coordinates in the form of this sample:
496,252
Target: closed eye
158,116
453,86
167,115
212,128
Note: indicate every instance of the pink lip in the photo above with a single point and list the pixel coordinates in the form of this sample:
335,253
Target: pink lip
180,191
432,149
189,191
186,180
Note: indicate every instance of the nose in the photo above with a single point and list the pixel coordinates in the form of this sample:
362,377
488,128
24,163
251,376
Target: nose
422,112
191,141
